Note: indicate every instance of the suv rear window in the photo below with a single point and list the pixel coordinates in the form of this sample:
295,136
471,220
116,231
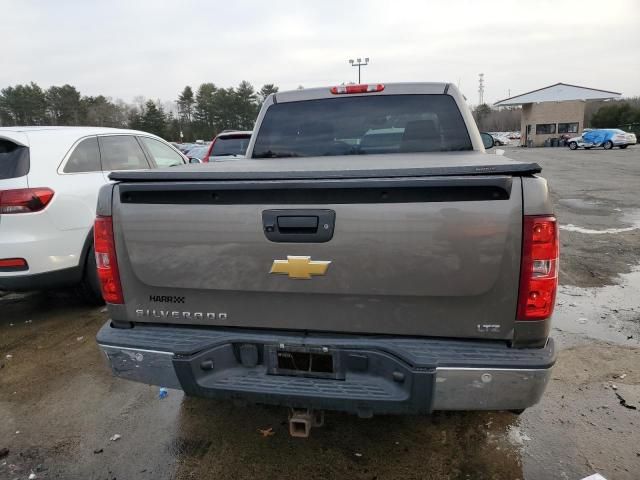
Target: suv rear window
230,145
14,160
85,157
362,125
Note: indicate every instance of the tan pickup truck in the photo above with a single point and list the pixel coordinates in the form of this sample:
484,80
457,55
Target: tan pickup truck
367,256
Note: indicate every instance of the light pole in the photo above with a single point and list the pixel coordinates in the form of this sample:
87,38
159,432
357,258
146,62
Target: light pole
359,63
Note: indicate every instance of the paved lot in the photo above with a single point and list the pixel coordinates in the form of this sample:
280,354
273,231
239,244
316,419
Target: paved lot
59,405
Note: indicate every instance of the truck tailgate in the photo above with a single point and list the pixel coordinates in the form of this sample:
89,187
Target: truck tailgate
420,255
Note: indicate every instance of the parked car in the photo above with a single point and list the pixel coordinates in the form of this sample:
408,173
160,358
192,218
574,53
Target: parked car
337,268
606,138
198,152
49,182
500,139
185,147
228,143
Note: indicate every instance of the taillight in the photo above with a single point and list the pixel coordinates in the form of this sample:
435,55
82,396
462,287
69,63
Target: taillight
539,269
106,261
363,88
205,159
13,264
25,200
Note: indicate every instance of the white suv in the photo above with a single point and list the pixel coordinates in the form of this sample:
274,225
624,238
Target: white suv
49,182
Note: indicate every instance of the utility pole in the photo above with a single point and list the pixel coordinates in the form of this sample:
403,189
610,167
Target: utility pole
359,63
481,88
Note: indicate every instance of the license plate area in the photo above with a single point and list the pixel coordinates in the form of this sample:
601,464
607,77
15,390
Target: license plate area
303,361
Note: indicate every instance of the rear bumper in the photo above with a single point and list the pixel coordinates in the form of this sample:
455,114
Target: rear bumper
34,237
379,374
20,281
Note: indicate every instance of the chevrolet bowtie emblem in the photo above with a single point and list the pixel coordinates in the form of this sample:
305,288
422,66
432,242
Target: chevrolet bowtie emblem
299,267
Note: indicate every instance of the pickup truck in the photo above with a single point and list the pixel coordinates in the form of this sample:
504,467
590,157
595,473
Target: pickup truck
368,256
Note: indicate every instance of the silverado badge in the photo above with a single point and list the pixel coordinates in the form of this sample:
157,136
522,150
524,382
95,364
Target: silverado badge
299,267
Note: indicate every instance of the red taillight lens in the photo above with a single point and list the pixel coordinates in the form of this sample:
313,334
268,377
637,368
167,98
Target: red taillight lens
205,159
539,270
364,88
106,261
25,200
13,264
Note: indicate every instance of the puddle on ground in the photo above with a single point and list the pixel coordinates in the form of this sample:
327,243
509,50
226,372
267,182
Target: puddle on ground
632,217
631,220
610,313
579,203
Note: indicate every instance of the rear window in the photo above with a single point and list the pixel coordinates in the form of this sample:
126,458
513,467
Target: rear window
122,152
362,125
85,157
14,160
230,145
164,155
198,152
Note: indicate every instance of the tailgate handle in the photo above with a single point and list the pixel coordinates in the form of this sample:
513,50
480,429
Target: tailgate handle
298,225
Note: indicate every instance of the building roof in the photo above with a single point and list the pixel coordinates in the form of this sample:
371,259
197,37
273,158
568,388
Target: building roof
559,92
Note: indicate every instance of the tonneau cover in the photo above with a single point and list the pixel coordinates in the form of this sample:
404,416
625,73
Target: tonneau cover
350,166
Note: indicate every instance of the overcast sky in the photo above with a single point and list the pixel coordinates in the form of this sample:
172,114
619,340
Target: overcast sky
154,47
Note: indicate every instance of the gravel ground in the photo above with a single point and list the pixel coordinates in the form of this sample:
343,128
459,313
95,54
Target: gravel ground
59,405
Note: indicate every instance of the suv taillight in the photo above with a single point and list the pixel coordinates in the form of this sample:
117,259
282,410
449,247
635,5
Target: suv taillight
13,264
539,269
25,200
106,261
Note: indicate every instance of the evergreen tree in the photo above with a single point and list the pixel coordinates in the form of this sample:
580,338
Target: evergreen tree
23,105
246,106
172,129
266,90
100,111
616,115
63,105
204,111
201,116
185,104
153,119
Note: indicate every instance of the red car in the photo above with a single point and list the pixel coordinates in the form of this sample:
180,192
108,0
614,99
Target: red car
228,143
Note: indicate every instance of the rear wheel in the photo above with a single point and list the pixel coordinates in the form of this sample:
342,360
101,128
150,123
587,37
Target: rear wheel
89,288
573,146
608,145
623,146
